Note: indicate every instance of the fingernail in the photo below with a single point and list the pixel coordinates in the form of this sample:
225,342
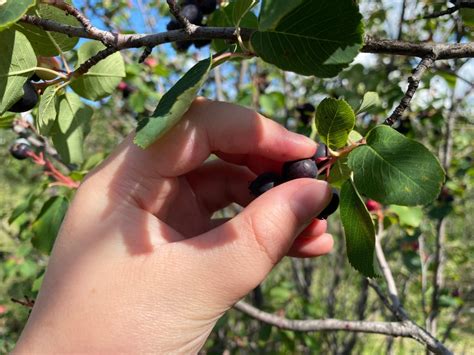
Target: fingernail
310,199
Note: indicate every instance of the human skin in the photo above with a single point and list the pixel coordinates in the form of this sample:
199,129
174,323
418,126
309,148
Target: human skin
140,266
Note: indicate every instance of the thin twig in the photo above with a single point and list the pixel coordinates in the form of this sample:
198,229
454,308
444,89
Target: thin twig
189,28
413,83
457,6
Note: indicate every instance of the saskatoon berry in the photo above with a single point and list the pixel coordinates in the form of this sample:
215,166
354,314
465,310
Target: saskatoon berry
206,6
202,43
331,207
173,25
264,182
182,46
20,150
322,151
303,168
193,14
28,101
305,112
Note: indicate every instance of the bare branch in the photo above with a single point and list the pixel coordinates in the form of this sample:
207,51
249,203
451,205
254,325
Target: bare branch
413,83
396,329
457,6
89,63
189,28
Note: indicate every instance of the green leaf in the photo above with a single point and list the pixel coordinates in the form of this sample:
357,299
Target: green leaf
225,17
102,79
467,16
340,172
47,43
47,110
6,120
273,11
408,216
334,121
314,38
370,101
17,62
359,230
12,10
173,105
241,8
46,227
393,169
71,128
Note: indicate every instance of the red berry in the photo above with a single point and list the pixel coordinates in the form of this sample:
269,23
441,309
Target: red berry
373,206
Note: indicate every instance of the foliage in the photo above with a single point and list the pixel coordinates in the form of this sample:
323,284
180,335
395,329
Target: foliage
84,112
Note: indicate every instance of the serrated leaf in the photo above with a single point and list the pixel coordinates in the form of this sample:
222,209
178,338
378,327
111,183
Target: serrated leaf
12,10
71,128
173,105
393,169
359,231
315,38
17,61
370,101
48,43
47,110
334,121
46,227
102,79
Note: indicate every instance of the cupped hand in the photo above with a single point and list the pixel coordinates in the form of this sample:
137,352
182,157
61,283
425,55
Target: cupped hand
141,266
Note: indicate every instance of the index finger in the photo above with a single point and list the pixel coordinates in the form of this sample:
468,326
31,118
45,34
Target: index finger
212,127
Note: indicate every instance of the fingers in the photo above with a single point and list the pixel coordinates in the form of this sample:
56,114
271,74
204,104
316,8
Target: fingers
216,184
218,127
309,247
246,248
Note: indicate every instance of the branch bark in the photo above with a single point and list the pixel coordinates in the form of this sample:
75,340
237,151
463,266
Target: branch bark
123,41
396,329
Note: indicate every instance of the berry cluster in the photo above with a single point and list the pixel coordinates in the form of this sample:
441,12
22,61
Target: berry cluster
28,100
194,11
296,169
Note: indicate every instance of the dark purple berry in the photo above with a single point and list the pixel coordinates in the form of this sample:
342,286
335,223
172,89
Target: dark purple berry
206,6
303,168
173,25
264,182
322,151
193,14
20,150
305,112
331,207
28,101
35,78
202,43
182,46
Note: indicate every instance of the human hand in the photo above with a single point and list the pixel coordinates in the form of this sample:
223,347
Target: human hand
140,265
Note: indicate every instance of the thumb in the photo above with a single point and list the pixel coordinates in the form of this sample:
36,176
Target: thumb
245,249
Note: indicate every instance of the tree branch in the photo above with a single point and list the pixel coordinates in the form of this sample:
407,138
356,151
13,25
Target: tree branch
413,83
457,6
189,28
372,45
395,329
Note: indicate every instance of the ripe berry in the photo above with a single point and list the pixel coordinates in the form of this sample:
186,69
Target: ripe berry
193,14
173,25
28,101
202,43
303,168
206,6
331,207
322,151
264,182
182,46
20,150
373,206
305,112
